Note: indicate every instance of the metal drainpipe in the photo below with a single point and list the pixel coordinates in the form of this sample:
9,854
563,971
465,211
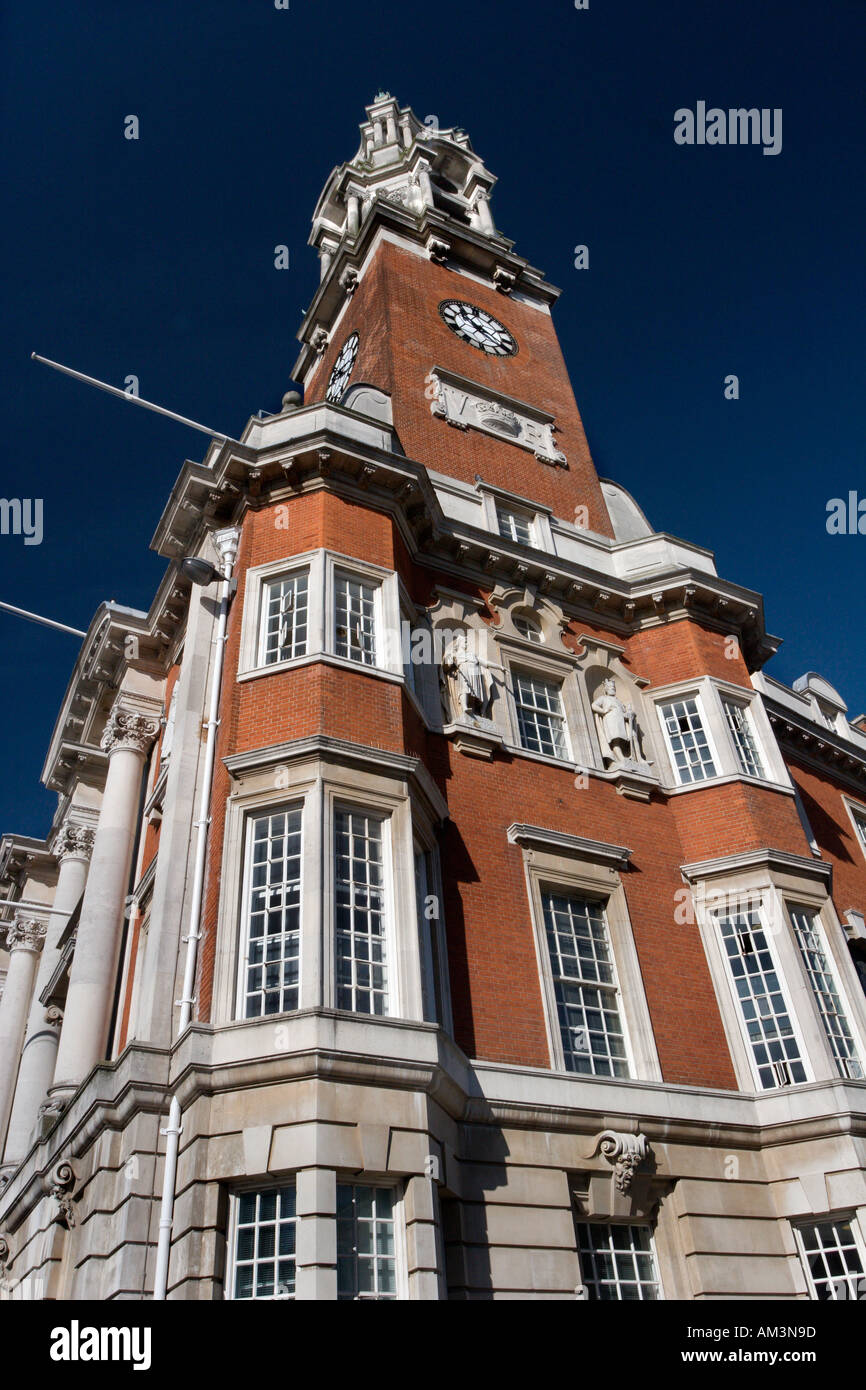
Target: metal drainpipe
227,544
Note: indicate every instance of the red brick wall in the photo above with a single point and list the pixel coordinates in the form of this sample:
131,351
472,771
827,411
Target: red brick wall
395,312
821,795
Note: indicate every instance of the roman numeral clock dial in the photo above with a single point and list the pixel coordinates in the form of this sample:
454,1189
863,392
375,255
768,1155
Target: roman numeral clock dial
477,328
342,369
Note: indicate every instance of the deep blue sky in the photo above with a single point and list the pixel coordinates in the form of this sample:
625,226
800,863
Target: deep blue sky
156,258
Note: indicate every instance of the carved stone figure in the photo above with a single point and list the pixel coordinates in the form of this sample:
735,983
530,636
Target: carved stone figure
471,690
618,730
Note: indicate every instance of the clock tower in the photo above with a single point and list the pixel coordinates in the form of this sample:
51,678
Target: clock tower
512,916
423,297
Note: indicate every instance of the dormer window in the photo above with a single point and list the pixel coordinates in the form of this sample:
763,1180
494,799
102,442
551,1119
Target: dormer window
515,525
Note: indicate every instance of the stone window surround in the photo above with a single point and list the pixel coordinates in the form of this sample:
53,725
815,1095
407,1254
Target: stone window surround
325,1224
539,661
771,880
857,813
322,566
553,860
320,787
424,842
708,691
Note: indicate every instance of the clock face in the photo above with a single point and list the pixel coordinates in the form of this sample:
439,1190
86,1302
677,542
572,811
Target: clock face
342,369
478,328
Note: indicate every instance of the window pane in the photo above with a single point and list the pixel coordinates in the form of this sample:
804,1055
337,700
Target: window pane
539,716
584,984
761,1001
270,967
355,635
359,930
515,525
264,1246
807,930
690,750
617,1262
833,1263
284,618
366,1263
743,738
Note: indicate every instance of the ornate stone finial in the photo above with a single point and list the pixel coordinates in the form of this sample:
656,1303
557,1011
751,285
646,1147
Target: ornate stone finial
26,934
625,1152
128,729
74,841
59,1182
382,95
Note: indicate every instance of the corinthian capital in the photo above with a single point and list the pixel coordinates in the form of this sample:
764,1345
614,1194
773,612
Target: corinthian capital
26,934
73,840
126,728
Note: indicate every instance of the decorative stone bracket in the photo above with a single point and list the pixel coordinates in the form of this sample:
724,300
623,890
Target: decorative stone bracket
59,1182
626,1152
632,1191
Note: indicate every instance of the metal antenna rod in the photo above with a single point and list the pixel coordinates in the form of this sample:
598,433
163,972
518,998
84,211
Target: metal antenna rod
136,400
46,622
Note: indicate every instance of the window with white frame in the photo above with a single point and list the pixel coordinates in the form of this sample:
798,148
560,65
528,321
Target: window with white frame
743,736
284,618
585,985
516,526
528,629
355,618
833,1260
859,818
366,1242
617,1262
263,1253
360,927
687,739
270,961
762,1003
540,719
816,961
433,974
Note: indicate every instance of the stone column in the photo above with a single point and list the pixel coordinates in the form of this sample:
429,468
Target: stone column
391,128
352,214
92,978
24,941
73,848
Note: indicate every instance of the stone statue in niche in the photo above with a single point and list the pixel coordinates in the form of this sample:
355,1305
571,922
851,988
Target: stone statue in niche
618,730
467,677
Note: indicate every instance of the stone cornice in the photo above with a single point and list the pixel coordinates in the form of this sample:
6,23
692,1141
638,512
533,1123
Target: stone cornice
776,860
419,1057
344,751
817,746
537,837
479,252
340,452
